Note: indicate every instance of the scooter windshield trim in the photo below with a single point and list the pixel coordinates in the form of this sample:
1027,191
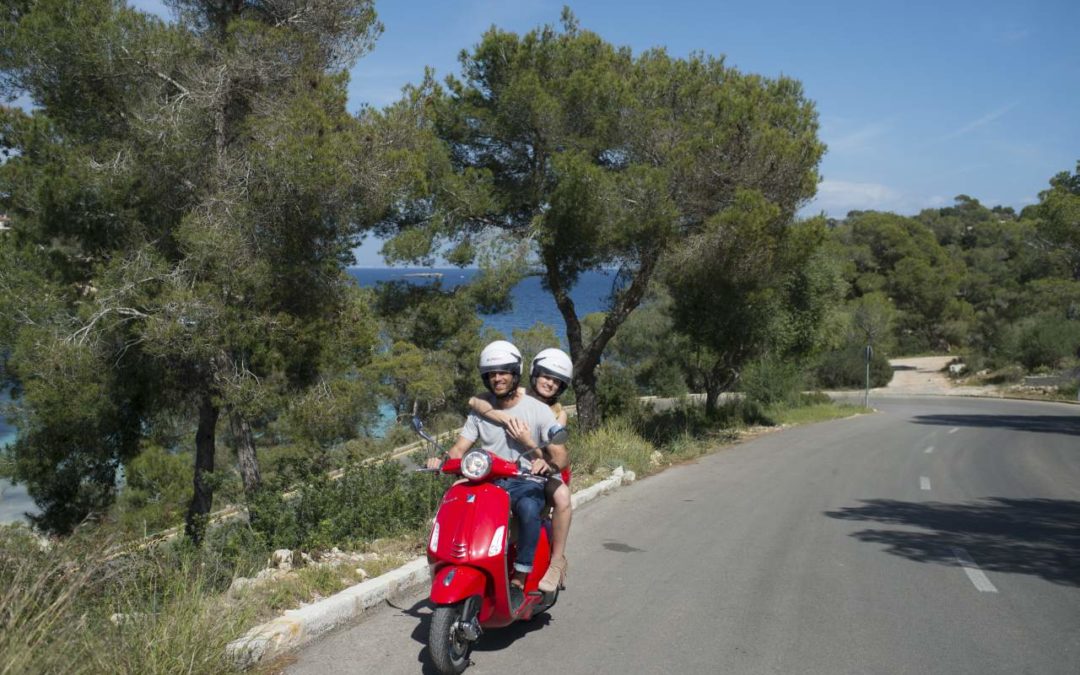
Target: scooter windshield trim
476,465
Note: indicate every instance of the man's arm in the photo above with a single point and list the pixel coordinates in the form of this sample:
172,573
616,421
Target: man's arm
456,451
482,406
557,457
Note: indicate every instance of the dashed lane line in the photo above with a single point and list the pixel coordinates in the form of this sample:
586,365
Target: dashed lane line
974,573
954,430
929,449
924,482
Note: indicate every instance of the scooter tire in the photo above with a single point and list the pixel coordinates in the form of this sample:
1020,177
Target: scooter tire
449,651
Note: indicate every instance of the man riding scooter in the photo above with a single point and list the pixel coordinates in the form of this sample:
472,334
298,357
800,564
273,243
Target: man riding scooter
500,368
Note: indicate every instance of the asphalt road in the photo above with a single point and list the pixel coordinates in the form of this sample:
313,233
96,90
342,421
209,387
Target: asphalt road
940,535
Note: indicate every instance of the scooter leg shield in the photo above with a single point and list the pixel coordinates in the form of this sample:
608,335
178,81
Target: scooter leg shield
454,583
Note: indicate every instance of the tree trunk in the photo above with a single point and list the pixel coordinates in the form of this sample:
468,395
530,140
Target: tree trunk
720,378
246,460
203,498
588,404
712,395
587,357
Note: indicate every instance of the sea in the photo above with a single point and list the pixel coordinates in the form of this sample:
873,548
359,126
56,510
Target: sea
531,304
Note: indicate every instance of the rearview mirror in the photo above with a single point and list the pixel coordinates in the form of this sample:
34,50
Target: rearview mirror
557,435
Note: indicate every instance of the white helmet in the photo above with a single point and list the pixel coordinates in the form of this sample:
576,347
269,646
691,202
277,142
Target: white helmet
553,363
501,356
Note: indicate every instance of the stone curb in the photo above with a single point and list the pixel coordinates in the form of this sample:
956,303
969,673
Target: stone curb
300,626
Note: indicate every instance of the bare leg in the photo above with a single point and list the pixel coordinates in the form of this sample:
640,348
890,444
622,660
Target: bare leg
560,522
560,530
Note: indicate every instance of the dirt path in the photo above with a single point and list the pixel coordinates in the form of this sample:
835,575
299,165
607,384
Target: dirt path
922,375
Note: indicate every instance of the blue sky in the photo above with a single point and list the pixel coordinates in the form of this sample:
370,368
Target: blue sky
918,101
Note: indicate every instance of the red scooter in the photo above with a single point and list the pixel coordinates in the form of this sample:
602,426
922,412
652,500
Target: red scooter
471,551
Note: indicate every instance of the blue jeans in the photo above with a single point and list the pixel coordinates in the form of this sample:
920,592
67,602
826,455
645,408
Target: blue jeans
526,501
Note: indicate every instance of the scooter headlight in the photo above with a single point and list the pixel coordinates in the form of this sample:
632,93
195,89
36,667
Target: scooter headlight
475,464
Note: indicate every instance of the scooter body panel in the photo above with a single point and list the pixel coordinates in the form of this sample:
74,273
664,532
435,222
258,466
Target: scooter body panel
453,583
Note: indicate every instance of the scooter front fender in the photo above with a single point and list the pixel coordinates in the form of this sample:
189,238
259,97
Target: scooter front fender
454,583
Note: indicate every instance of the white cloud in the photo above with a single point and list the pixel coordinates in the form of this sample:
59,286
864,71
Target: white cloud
837,197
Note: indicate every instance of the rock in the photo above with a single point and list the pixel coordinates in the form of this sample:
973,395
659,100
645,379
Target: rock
239,584
362,573
281,559
269,574
119,619
656,458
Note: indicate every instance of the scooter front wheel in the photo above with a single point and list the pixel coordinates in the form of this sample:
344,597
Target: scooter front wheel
448,646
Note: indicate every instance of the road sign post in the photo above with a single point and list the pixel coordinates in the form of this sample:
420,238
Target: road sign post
866,395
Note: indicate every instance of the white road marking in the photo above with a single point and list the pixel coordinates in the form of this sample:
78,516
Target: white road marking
973,572
954,430
929,449
924,482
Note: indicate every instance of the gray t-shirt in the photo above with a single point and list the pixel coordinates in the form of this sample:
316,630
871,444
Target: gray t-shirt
493,436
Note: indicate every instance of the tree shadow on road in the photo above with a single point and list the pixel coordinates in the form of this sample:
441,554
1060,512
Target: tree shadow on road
491,641
1051,424
1040,537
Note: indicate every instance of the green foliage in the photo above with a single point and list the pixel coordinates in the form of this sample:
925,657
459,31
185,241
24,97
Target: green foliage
646,350
1058,223
185,234
532,340
770,381
157,489
900,257
364,503
433,337
750,286
595,157
845,368
614,444
1048,342
617,392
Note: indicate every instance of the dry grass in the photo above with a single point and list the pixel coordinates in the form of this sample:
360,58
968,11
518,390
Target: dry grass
65,609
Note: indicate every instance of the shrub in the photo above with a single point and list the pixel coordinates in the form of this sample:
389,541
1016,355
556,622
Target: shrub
1048,342
617,393
365,503
684,419
156,491
846,369
1006,375
614,443
771,381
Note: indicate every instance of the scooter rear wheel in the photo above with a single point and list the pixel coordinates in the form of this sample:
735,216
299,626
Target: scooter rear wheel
449,648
